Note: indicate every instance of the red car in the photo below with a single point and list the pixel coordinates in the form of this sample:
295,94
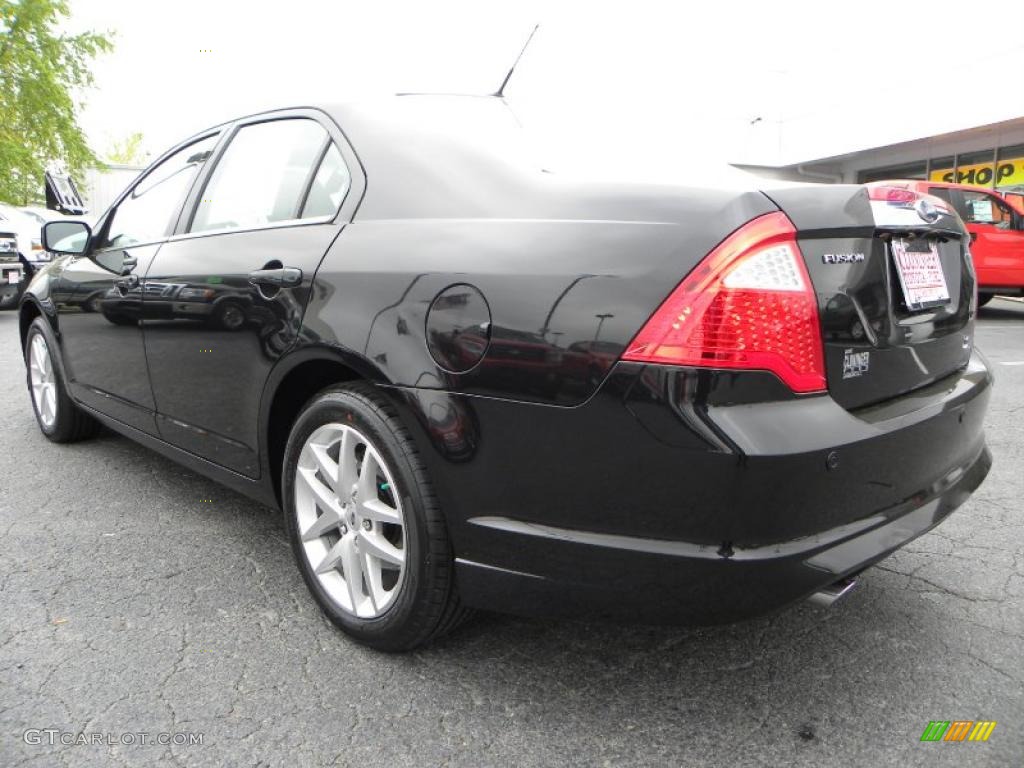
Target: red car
997,233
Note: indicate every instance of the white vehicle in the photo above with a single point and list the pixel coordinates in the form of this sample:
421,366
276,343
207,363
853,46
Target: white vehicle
27,231
40,214
12,277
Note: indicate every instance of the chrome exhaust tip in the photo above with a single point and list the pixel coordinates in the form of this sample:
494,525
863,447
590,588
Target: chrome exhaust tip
824,598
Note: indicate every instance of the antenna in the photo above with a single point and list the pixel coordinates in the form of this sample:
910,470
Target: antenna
500,93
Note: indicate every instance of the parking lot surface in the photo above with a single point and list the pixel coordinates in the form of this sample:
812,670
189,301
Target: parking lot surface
140,598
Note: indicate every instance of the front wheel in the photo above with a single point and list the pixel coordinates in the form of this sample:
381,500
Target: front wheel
364,524
59,419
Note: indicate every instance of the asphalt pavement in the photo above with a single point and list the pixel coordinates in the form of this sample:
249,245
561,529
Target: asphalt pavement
141,602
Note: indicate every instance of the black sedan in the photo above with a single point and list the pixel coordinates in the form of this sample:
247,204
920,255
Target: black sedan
470,383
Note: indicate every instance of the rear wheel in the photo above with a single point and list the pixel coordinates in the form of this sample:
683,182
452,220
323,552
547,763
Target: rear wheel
58,417
985,298
365,527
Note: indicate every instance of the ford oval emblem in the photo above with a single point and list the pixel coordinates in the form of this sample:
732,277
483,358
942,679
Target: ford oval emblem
928,212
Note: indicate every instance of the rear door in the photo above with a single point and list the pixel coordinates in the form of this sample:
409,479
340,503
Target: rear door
224,298
998,248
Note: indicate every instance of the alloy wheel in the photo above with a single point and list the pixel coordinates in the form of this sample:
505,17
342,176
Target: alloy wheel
44,385
350,520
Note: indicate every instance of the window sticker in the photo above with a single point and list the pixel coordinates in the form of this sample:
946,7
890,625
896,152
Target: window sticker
981,210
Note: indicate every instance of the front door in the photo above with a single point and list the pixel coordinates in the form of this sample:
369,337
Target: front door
99,295
223,299
998,242
98,298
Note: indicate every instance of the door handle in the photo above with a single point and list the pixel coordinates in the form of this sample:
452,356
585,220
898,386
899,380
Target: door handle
283,277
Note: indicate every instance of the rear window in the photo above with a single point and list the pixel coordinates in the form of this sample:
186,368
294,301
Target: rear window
262,176
330,185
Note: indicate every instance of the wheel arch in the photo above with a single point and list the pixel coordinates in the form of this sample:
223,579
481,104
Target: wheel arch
294,380
27,313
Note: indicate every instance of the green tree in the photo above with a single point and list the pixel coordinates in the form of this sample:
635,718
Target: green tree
42,75
128,151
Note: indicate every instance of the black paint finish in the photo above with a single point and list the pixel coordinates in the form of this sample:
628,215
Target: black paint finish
211,336
861,303
491,303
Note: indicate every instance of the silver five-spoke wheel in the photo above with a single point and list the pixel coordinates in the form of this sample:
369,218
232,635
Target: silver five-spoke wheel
350,520
44,387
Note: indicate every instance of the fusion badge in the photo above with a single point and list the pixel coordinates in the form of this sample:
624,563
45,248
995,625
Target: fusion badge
855,363
842,258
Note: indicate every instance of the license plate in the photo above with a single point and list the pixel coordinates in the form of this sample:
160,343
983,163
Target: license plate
920,271
14,278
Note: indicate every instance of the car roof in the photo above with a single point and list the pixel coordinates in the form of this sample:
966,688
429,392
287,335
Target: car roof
454,156
438,156
15,215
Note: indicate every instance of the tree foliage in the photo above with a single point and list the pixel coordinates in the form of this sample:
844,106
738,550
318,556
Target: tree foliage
127,151
42,75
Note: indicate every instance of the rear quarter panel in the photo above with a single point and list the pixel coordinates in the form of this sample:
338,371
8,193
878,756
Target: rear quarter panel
549,284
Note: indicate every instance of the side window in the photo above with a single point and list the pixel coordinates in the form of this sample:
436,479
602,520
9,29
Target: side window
1015,200
330,185
983,208
261,176
151,208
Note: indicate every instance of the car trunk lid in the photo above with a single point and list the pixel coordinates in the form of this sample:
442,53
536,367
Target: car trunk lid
892,321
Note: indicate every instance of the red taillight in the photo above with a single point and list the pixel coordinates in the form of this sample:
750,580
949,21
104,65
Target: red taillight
749,304
891,194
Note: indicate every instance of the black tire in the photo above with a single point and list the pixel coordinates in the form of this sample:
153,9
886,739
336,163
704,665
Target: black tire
985,298
229,315
427,605
71,423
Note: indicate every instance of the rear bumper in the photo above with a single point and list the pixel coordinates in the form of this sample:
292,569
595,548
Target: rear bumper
682,496
656,581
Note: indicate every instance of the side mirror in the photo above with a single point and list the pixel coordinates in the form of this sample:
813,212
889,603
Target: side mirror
66,236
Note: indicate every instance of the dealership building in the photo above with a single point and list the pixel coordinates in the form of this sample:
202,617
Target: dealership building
987,155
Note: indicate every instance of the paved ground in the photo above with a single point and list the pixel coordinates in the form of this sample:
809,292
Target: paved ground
131,605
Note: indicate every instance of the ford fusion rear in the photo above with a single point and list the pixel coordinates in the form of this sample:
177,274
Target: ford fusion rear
472,384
